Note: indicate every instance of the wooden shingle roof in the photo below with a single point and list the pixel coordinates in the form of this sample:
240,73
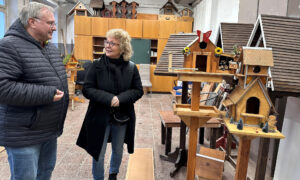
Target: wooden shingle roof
231,34
97,4
176,43
282,34
257,56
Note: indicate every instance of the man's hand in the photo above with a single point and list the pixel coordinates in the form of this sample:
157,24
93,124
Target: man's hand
115,102
59,94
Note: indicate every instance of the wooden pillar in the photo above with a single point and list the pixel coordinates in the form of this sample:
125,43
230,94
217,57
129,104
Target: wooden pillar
242,159
193,132
262,159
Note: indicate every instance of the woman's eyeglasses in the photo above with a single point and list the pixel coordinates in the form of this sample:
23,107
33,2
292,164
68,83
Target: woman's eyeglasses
110,43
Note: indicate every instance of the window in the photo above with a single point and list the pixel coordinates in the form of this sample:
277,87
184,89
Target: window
2,23
2,18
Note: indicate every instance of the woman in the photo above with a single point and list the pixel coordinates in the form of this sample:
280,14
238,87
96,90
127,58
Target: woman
112,85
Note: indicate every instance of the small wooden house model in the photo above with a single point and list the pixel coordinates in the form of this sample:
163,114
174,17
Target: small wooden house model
98,6
169,8
256,62
114,11
133,5
186,12
252,104
80,10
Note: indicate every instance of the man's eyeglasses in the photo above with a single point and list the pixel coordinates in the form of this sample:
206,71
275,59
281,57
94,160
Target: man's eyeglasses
110,43
51,24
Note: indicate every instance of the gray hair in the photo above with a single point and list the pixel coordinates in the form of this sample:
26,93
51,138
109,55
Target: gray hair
31,10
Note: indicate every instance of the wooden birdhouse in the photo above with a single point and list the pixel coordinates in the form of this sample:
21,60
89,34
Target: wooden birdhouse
133,5
114,5
186,12
123,5
252,104
79,9
200,54
98,6
169,8
256,62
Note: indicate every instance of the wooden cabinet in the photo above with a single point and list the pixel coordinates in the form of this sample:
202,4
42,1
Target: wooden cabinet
116,23
161,46
134,27
99,26
150,29
184,26
82,25
161,83
166,28
83,47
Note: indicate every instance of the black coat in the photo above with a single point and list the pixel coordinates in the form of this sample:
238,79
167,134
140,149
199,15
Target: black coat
29,77
99,89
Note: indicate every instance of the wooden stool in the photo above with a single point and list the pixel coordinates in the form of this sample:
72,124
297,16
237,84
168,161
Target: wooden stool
168,121
210,164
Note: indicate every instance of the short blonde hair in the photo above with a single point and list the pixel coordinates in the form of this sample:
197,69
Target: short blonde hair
124,40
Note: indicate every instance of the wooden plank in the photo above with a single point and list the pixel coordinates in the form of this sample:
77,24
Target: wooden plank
134,28
82,25
99,26
150,29
116,23
140,165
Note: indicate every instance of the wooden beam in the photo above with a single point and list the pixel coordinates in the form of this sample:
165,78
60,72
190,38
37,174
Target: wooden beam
243,157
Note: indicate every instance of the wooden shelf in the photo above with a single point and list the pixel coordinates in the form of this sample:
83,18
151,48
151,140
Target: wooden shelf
203,112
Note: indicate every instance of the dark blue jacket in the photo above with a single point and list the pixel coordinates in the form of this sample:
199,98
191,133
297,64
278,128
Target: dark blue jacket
29,77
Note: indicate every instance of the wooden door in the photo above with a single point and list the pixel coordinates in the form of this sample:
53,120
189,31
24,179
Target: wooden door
184,26
150,29
161,46
99,26
116,23
166,28
82,25
83,47
134,27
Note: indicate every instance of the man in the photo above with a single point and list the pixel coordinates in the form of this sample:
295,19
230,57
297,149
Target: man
33,94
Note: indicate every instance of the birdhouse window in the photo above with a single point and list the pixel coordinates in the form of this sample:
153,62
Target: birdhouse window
252,106
201,63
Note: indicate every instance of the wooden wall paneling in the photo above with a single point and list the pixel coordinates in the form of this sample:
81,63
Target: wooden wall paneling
99,26
161,46
184,26
147,16
161,83
134,27
82,25
83,47
166,28
116,23
150,29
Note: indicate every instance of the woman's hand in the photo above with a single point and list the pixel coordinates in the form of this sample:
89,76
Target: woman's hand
115,102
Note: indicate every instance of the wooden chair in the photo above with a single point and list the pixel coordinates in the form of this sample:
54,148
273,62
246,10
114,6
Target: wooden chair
145,77
210,164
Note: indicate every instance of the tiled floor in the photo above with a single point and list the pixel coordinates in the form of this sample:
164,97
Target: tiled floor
73,163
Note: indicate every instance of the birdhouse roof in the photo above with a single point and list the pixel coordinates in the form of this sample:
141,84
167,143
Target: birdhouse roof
282,34
96,4
170,3
257,56
239,92
231,34
176,43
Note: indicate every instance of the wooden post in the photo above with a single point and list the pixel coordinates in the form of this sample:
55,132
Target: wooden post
243,157
262,159
193,132
170,62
